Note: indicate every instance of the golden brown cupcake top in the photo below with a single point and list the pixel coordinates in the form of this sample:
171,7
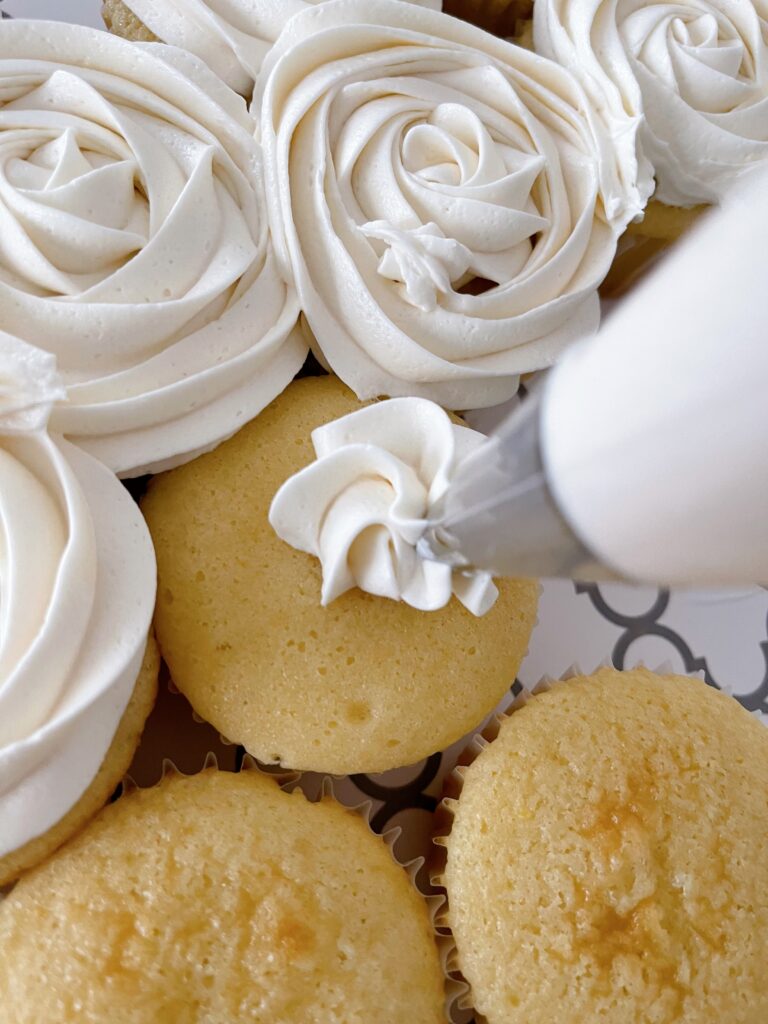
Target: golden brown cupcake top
609,858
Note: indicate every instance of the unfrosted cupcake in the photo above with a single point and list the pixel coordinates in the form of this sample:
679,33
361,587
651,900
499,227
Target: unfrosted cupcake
282,651
77,589
608,858
135,244
219,898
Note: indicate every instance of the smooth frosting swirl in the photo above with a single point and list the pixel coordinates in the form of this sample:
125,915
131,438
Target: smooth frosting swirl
231,36
682,85
29,387
134,244
363,506
446,201
77,589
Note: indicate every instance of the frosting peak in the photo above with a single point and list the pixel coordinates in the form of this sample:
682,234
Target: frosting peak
362,507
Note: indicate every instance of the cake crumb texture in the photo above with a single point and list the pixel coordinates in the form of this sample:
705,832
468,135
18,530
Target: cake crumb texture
219,899
608,861
123,22
364,684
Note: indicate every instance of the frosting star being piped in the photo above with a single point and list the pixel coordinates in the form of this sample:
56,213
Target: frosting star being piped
364,504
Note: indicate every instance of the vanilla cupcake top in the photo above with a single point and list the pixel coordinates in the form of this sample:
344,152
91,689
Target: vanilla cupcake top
231,36
608,858
447,202
77,591
684,84
135,246
220,898
363,506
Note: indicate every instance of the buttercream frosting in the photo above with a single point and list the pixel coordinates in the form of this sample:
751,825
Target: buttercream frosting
231,36
683,85
447,202
134,244
77,588
364,504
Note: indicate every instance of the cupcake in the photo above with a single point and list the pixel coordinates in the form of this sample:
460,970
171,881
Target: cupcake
607,858
77,589
447,202
231,36
135,244
219,898
684,89
331,663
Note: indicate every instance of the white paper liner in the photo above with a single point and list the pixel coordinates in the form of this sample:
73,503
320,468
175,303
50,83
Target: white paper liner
459,1004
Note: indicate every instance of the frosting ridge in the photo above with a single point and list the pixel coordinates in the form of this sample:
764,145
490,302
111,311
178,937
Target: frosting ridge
683,86
135,245
447,202
231,36
77,587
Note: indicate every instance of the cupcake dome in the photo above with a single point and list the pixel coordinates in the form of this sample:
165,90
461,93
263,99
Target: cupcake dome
608,858
219,898
363,684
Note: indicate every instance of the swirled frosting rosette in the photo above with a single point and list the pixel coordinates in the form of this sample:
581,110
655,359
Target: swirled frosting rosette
363,506
134,244
77,590
447,201
231,36
683,85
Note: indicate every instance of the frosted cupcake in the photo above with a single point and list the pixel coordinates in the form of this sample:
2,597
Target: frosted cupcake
447,202
363,658
77,589
219,898
684,87
231,36
607,858
135,244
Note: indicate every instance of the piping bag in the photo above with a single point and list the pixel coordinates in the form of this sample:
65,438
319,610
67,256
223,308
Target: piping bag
643,455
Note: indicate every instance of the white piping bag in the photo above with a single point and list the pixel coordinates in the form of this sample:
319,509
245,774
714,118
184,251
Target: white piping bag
644,454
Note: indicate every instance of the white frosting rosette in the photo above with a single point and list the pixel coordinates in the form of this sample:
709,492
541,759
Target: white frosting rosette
134,244
363,506
683,85
231,36
447,201
77,592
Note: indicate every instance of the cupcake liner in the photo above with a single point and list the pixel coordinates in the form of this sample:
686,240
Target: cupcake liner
460,1009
